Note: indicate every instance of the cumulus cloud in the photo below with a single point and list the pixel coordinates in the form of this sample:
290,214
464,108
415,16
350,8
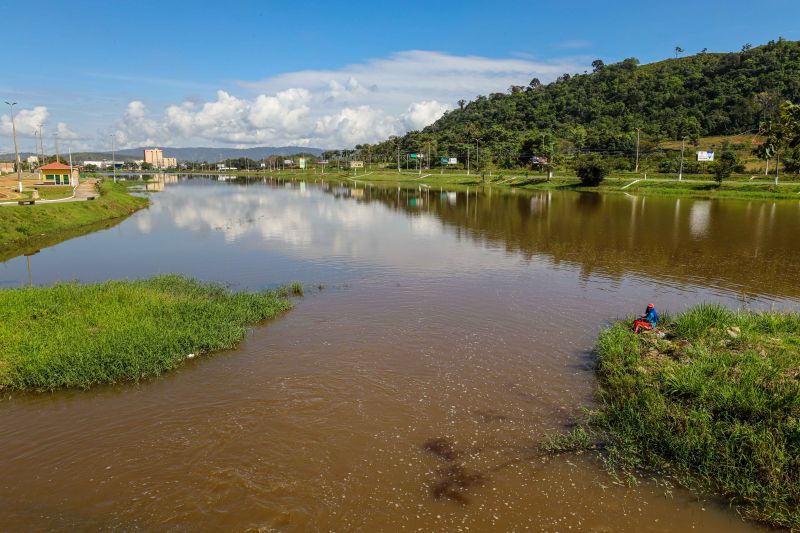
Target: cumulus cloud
27,121
357,103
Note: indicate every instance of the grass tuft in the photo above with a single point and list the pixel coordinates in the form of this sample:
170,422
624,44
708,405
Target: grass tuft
73,335
296,288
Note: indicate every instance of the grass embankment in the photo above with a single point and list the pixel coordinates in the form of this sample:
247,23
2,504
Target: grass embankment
701,186
72,335
716,404
24,225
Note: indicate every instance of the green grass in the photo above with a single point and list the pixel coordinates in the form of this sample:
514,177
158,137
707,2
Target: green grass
22,226
739,186
715,404
73,335
55,192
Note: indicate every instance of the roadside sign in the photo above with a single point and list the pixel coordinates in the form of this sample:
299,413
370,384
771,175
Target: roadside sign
356,164
705,156
288,162
453,161
302,162
322,162
444,160
416,156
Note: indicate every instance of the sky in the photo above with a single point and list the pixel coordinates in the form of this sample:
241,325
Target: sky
320,74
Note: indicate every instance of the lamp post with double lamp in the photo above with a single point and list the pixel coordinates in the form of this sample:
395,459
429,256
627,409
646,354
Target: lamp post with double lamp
16,149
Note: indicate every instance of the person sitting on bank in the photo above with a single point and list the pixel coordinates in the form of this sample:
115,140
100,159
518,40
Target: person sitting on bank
648,320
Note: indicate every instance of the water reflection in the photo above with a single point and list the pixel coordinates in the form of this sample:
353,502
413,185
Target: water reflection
716,242
742,246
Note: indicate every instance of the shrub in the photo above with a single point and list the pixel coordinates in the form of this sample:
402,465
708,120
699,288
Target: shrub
591,170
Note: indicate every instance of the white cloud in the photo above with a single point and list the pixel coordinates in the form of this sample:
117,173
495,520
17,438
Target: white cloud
420,114
357,103
27,121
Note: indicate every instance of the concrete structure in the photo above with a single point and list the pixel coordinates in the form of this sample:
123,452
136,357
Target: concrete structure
104,164
58,174
155,156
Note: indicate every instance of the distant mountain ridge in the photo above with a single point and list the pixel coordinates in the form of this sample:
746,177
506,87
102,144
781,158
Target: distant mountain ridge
194,154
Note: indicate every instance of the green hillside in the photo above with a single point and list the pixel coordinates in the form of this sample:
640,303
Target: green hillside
706,94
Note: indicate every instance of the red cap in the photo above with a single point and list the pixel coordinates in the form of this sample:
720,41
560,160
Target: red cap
650,306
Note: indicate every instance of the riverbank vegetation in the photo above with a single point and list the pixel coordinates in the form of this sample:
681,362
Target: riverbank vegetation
21,225
714,404
74,335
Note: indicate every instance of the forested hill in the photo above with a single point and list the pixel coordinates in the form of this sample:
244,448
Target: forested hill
704,94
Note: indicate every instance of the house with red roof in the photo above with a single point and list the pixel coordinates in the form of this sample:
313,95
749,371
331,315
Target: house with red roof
57,174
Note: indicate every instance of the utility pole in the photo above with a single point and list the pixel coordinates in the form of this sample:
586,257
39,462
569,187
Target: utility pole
683,146
113,157
429,155
550,166
41,145
638,132
16,148
467,160
58,155
70,165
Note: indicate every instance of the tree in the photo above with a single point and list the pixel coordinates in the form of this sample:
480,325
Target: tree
783,133
577,134
678,51
597,65
461,104
727,163
591,170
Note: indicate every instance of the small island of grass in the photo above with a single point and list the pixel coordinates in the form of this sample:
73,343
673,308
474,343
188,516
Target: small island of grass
713,403
75,335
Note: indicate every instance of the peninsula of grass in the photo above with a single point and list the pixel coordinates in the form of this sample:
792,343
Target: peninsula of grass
23,226
714,404
74,335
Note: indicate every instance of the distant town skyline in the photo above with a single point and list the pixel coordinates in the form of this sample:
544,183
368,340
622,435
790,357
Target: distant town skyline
244,74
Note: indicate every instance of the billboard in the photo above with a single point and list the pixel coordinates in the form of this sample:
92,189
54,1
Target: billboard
288,162
322,162
302,162
356,164
705,156
453,161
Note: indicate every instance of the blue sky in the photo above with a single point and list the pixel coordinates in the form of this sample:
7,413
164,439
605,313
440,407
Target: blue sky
324,73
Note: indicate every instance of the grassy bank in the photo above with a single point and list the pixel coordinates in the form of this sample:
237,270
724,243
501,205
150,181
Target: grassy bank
701,186
72,335
716,404
21,224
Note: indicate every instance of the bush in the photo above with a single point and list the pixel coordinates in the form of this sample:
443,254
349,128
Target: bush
591,170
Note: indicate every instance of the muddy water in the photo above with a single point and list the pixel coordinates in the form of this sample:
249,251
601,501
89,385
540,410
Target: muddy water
453,331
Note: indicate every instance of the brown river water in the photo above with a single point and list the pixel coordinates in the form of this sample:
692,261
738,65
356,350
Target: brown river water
454,330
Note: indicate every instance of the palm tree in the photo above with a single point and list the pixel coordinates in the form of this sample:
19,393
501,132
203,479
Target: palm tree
678,50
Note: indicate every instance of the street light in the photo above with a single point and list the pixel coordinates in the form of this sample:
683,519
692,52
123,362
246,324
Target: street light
16,149
113,157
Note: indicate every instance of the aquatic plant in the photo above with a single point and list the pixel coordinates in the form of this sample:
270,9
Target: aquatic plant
74,335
